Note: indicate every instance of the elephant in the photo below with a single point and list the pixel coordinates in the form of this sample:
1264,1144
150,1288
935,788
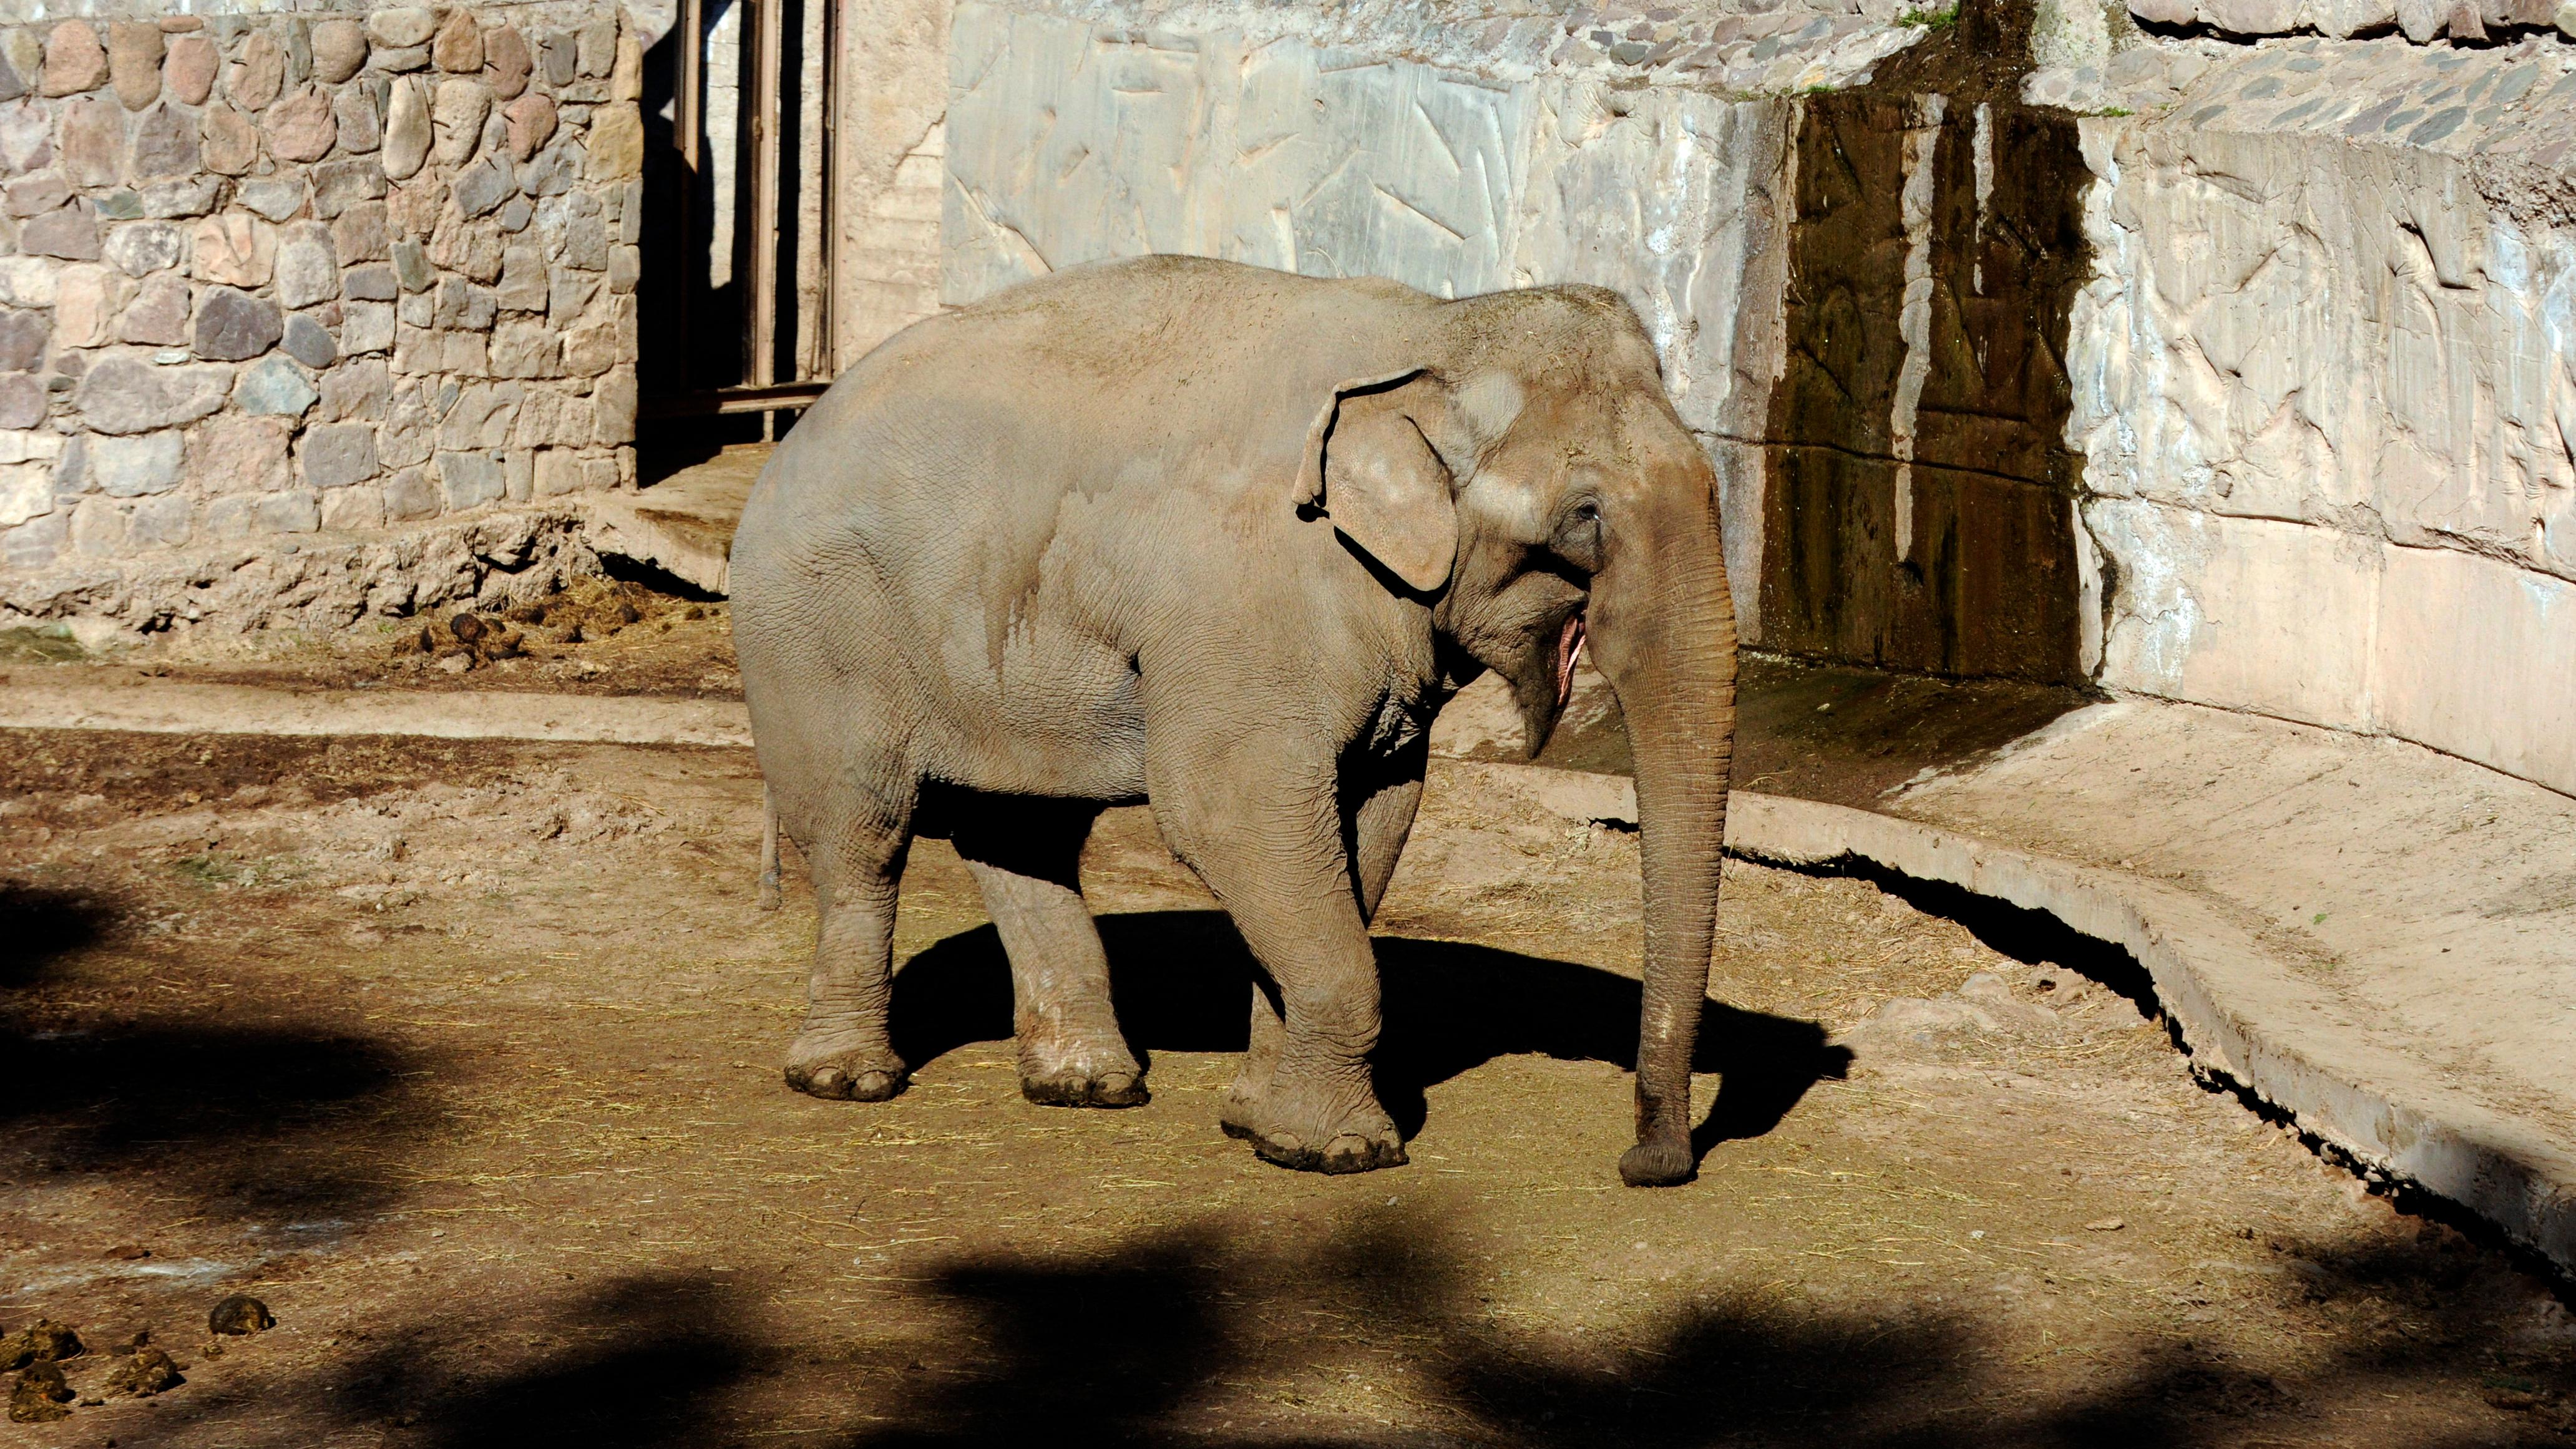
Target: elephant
1222,541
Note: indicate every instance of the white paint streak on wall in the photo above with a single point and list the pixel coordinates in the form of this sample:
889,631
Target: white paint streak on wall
1914,318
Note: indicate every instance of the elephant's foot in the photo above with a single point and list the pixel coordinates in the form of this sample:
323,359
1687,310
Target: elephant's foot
840,1066
1310,1135
1658,1162
1081,1074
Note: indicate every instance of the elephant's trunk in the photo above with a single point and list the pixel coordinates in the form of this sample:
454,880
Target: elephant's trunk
1663,627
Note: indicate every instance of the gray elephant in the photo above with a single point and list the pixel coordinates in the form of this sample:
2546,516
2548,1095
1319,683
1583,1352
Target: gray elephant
1223,541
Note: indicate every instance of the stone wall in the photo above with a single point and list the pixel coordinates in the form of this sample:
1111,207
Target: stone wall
280,288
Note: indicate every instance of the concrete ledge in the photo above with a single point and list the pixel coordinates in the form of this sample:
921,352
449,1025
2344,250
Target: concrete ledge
159,707
2241,1010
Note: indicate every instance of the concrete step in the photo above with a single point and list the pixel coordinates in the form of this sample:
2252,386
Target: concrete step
683,524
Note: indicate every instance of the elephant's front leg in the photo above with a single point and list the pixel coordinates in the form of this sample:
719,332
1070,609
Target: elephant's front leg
1262,829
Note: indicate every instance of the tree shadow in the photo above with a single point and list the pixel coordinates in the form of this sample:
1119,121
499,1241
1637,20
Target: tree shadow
261,1117
1208,1334
1183,982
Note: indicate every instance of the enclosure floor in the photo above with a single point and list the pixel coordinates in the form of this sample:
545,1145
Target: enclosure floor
464,1056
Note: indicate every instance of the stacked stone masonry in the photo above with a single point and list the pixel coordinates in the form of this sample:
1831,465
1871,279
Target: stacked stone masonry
278,283
2469,22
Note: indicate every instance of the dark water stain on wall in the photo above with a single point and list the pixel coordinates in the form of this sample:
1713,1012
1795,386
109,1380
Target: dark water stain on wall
1981,579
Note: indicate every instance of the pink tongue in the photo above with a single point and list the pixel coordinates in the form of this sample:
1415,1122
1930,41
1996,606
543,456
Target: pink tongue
1569,650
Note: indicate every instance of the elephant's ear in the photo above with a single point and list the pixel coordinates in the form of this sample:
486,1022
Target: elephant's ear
1373,472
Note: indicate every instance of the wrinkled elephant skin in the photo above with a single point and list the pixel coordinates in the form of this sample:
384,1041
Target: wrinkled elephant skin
1224,541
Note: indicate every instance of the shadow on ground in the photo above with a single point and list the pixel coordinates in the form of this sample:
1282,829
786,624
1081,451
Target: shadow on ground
1183,983
1200,1337
257,1116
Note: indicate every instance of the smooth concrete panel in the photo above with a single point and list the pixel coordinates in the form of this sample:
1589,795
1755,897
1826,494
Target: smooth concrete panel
2479,659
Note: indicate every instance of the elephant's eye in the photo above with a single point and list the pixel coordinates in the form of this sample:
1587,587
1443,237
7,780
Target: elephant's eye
1578,537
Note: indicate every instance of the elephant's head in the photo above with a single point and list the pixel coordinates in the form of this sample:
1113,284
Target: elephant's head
1530,480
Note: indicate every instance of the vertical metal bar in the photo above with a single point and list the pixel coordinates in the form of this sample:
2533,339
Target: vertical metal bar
689,270
767,97
827,363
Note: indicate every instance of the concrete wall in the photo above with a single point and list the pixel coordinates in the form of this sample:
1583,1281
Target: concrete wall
2326,372
279,293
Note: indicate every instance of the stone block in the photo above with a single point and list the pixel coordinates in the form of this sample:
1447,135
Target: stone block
134,51
22,401
353,510
361,125
23,337
613,406
309,342
27,281
228,518
93,142
369,284
140,248
189,70
554,171
85,303
401,26
458,46
335,455
165,143
189,197
595,45
456,115
307,271
231,140
626,73
416,309
528,349
408,130
295,511
75,61
36,195
233,325
590,351
410,496
343,186
558,57
339,50
162,521
469,480
26,491
258,72
557,472
302,127
412,270
358,235
229,453
130,396
358,389
159,313
366,327
481,416
273,198
616,143
506,63
599,475
532,123
130,467
585,243
234,249
569,297
625,268
523,284
68,232
484,185
399,60
26,138
98,528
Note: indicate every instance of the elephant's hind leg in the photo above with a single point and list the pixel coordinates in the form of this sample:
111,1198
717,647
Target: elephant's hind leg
1028,867
845,1051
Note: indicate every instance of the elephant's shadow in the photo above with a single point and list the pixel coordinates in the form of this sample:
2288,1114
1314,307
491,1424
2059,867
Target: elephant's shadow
1183,980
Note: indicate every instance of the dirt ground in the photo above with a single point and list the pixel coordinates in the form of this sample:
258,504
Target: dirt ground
464,1058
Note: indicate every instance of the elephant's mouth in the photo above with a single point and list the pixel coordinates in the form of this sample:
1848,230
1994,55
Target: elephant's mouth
1569,652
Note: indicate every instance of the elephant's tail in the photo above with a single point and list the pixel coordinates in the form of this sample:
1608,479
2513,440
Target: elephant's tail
767,898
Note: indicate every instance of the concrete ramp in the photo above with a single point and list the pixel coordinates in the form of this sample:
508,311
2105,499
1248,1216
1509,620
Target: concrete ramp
682,525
